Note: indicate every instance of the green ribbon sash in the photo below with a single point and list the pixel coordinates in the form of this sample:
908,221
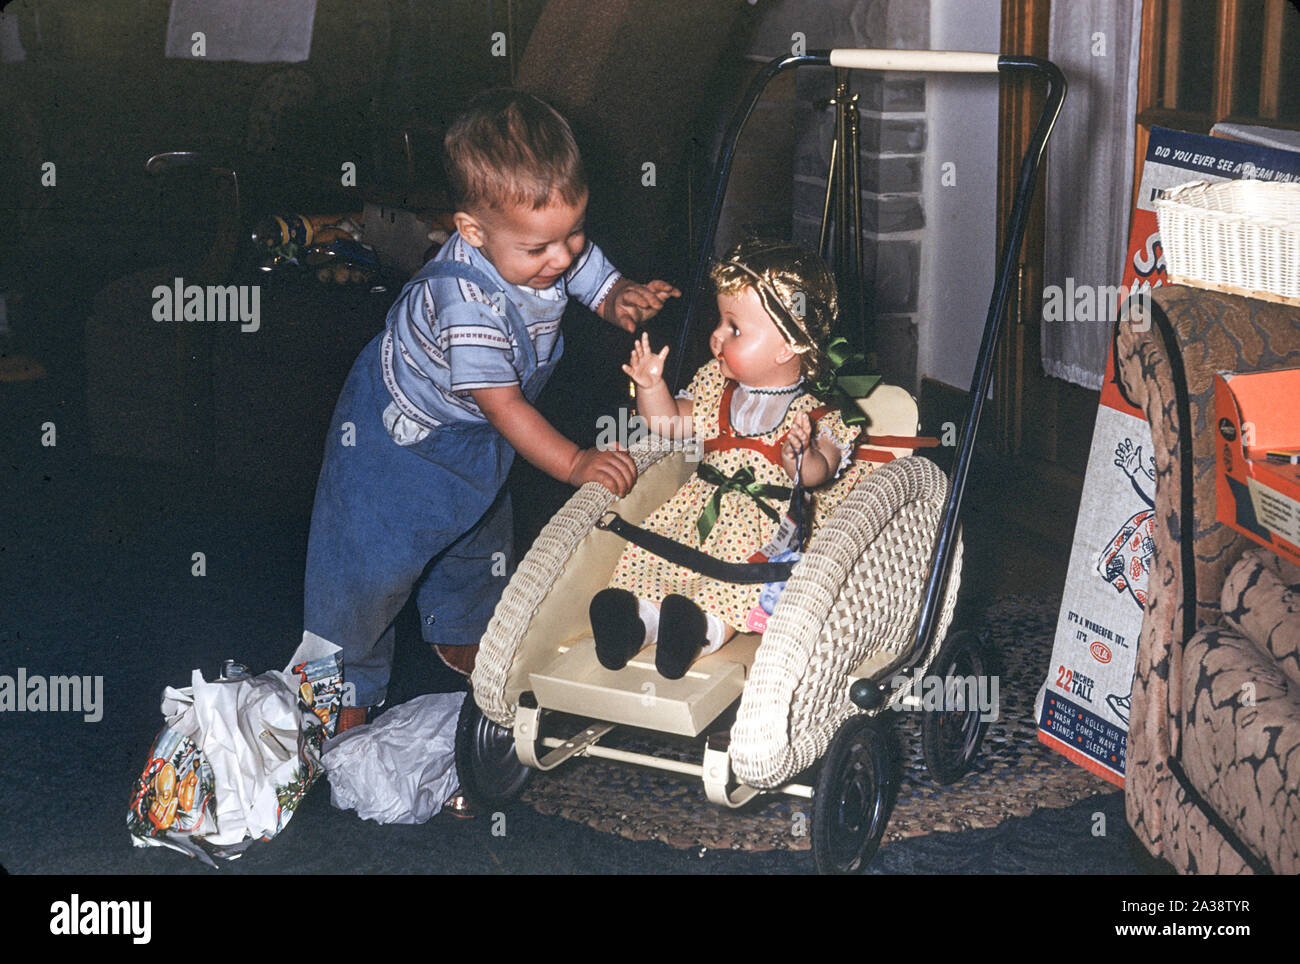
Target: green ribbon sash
845,382
742,481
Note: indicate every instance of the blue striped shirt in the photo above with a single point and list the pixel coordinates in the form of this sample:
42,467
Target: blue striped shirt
446,337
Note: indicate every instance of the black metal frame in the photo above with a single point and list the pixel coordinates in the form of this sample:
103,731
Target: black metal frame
868,696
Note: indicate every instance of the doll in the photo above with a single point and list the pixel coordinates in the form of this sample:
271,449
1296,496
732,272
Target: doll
759,423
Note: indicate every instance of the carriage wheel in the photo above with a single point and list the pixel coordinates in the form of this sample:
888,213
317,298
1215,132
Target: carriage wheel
489,770
853,798
950,739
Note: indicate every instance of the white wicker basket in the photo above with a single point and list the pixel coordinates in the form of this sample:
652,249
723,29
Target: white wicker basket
1242,237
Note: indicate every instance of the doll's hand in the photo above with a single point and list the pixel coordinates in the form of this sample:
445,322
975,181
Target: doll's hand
613,469
634,304
646,367
820,457
796,441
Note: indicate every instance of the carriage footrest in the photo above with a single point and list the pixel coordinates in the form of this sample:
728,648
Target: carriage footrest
637,695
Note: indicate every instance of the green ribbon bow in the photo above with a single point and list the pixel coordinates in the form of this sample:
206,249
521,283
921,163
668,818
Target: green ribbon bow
741,481
845,382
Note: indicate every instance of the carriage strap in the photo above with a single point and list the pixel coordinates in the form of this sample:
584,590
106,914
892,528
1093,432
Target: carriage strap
694,559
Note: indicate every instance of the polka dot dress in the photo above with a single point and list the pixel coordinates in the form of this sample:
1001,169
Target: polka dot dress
742,528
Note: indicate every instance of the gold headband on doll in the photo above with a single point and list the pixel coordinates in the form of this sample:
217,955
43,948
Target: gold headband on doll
797,291
795,288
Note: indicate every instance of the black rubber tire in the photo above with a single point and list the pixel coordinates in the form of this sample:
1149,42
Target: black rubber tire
853,797
491,776
950,740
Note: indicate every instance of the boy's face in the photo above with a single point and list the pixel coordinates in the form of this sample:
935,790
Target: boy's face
527,246
749,345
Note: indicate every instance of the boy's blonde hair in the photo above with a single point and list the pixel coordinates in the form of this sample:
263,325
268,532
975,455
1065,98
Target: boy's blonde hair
511,148
796,288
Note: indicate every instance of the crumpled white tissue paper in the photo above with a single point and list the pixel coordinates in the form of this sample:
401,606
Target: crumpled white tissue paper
400,768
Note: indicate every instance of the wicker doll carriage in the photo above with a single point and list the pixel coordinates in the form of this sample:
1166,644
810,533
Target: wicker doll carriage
867,608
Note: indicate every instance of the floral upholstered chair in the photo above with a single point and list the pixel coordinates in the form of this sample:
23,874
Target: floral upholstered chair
1213,774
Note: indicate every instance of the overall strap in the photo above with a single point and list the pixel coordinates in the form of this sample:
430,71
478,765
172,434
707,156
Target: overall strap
477,276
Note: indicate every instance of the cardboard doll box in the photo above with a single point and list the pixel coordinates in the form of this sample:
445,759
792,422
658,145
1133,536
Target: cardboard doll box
1258,468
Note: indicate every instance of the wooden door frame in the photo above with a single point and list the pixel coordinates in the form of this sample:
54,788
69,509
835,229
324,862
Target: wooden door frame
1154,107
1025,27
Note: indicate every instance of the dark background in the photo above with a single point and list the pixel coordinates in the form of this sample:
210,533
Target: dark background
79,259
176,439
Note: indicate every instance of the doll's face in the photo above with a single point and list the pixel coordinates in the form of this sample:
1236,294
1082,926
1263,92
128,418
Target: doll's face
528,246
749,345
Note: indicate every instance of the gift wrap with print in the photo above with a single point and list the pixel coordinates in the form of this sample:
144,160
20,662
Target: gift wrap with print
236,756
734,474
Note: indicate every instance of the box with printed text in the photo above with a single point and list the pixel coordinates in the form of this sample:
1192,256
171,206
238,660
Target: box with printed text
1258,468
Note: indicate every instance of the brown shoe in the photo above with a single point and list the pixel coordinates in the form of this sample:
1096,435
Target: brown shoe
459,658
350,716
459,807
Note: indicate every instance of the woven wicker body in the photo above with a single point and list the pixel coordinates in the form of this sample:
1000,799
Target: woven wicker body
1240,237
848,609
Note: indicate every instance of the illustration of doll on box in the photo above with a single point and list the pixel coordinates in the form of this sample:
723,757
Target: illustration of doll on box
775,401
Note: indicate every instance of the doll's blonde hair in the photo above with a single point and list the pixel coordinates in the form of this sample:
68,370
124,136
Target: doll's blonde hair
796,288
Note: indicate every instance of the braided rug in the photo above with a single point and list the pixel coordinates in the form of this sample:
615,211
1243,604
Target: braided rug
1013,775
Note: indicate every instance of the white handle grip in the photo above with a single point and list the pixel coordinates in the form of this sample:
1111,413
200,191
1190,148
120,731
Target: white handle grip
944,61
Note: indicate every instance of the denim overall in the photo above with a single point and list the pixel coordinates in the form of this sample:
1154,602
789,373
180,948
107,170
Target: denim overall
388,516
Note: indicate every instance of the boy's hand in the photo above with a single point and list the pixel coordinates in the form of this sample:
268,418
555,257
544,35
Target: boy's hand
645,367
630,304
533,437
613,469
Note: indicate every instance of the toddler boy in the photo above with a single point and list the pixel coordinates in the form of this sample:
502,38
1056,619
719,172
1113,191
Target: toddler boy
437,405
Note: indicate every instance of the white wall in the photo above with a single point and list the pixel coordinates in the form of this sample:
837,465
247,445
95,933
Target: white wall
959,253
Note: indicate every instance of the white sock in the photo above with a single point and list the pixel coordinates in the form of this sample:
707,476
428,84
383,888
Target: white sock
649,614
716,632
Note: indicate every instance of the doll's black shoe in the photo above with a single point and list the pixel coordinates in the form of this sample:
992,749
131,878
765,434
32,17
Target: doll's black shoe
617,627
683,632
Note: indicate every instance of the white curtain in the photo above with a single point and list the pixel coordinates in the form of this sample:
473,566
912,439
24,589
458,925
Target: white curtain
1089,172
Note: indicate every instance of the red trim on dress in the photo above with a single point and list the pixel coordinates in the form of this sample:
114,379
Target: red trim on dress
727,438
